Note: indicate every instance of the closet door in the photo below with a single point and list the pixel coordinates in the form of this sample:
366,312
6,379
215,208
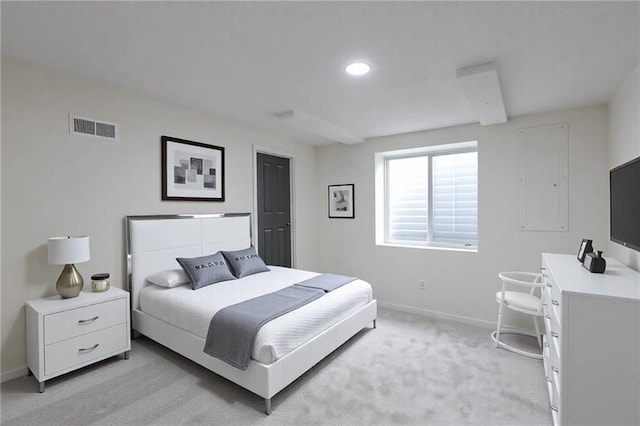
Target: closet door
274,209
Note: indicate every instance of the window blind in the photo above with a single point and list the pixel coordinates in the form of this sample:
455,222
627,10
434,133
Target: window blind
455,198
408,180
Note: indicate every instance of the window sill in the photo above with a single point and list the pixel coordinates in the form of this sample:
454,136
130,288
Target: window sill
433,246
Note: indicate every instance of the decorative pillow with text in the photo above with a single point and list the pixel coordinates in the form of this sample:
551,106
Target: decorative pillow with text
245,262
206,270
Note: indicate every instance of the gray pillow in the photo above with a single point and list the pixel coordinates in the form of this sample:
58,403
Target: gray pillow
245,262
206,270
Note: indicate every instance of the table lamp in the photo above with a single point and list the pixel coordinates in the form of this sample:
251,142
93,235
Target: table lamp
67,251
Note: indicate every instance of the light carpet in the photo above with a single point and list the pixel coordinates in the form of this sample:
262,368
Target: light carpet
411,370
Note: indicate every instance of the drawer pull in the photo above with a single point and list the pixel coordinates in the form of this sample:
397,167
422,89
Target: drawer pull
548,317
549,285
546,345
549,380
87,321
555,302
554,334
554,408
85,350
554,369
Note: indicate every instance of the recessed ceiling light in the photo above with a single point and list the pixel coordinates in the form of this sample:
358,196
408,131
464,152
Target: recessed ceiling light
357,68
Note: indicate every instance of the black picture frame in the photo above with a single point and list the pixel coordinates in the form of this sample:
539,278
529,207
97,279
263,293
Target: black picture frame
341,201
191,171
586,246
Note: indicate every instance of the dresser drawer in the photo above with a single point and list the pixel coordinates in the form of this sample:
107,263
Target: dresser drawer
552,388
553,297
555,307
552,342
555,404
546,303
76,322
84,349
546,357
554,334
555,376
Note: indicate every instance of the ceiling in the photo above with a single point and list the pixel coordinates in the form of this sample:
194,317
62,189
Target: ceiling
250,61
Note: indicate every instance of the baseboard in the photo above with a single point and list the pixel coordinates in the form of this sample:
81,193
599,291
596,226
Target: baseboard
449,317
13,374
439,315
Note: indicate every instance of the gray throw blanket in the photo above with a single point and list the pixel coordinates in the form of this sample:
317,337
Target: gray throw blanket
326,282
233,329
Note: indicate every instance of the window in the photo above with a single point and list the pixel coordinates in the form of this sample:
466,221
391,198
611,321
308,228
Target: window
428,197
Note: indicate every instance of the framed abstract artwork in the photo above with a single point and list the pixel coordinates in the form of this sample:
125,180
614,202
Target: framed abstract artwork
341,201
192,171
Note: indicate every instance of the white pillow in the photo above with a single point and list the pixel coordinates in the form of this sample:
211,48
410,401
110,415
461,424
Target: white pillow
170,278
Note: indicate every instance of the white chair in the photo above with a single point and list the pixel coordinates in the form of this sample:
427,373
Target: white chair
526,302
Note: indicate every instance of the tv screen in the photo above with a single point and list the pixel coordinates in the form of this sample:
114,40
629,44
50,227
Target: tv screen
624,189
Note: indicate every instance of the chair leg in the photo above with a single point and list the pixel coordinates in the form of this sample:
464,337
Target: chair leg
499,325
535,324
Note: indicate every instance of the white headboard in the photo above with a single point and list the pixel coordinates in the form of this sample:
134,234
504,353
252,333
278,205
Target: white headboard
154,242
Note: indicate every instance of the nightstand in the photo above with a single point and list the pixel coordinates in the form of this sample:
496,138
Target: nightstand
66,334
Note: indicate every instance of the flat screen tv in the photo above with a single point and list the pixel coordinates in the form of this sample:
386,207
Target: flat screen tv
624,190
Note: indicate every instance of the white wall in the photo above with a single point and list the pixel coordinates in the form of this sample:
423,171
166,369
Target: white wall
624,144
54,183
458,283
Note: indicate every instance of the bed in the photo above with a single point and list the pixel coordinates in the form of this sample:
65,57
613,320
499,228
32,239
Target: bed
178,318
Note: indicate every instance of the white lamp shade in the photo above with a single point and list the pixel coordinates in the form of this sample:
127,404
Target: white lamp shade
68,250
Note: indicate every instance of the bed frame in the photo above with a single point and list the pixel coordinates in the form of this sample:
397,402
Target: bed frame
153,243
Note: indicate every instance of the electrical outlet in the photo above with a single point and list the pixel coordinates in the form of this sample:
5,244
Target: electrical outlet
422,285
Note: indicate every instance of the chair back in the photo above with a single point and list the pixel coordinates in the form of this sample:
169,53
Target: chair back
529,280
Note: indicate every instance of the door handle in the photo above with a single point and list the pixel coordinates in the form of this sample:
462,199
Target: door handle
288,223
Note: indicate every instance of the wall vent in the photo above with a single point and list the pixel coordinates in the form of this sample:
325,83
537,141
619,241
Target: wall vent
87,126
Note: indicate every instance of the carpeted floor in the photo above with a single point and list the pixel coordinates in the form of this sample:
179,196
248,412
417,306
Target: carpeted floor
410,370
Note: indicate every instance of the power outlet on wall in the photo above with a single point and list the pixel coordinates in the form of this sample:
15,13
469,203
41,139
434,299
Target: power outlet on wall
422,285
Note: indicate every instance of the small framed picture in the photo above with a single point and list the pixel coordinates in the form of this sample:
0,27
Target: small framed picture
585,247
192,171
341,201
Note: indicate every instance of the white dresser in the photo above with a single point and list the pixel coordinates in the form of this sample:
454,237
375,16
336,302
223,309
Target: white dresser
592,342
66,334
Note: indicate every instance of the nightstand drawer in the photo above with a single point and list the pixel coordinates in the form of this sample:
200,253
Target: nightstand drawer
87,319
83,349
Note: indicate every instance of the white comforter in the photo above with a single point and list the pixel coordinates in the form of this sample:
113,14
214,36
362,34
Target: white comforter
192,310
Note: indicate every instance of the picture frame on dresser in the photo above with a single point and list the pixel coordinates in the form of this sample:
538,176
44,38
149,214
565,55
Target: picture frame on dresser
586,246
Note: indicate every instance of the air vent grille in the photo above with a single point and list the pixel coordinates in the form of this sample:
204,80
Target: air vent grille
106,130
87,126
